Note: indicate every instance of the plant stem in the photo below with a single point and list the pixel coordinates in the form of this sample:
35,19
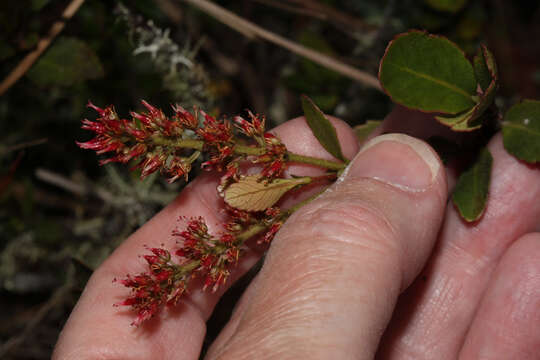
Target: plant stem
332,165
251,232
250,150
252,30
42,45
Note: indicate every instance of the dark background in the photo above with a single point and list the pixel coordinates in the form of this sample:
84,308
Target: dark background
61,214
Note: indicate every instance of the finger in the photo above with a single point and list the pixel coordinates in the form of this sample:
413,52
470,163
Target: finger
507,323
97,330
433,316
333,274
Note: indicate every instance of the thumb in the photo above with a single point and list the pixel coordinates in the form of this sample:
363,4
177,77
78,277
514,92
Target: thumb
333,273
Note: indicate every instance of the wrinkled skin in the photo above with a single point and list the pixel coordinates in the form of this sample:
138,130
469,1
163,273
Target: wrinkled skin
380,266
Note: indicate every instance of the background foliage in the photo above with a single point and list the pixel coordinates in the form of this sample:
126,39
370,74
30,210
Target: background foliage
61,214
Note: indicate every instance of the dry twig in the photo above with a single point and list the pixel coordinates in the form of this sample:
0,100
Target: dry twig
314,8
42,45
252,31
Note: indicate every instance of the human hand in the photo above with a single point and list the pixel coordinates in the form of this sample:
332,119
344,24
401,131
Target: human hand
332,279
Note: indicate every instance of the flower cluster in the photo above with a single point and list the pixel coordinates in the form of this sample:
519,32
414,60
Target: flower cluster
213,254
200,254
171,145
160,143
218,142
274,156
139,139
164,283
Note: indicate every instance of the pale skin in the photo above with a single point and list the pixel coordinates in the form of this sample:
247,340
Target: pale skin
380,266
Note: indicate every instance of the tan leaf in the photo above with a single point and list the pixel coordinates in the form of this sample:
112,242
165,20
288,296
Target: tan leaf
252,194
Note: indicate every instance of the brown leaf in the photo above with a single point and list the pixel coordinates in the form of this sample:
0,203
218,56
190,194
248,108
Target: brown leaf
252,194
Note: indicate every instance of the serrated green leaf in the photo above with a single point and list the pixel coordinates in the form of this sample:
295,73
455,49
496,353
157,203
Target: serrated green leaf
485,67
470,193
521,131
452,6
363,131
67,62
322,128
428,73
250,193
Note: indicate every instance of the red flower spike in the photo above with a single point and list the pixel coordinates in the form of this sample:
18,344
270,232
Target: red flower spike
227,238
215,132
207,261
270,233
152,259
178,167
151,164
185,118
259,123
128,302
99,110
251,129
145,137
180,252
274,170
163,275
272,212
143,118
176,294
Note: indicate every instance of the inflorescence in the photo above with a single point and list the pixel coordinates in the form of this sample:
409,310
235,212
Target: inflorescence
171,145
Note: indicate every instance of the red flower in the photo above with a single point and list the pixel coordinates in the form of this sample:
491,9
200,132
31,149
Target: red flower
185,118
214,131
270,233
253,128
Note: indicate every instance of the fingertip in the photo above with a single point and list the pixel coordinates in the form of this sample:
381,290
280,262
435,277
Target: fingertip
345,257
506,323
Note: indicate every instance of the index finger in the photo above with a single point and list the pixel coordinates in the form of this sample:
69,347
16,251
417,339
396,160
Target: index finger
96,329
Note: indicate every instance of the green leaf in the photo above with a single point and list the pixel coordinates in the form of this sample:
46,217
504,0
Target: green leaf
428,73
363,131
521,131
485,67
452,6
485,70
471,119
67,62
470,193
251,193
322,128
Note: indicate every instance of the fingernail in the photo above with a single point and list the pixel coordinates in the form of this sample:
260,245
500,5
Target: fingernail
398,160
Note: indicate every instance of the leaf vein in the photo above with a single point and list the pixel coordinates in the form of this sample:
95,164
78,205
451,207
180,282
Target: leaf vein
435,80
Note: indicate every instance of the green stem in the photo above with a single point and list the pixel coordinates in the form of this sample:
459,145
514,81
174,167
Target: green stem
251,232
328,164
250,150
